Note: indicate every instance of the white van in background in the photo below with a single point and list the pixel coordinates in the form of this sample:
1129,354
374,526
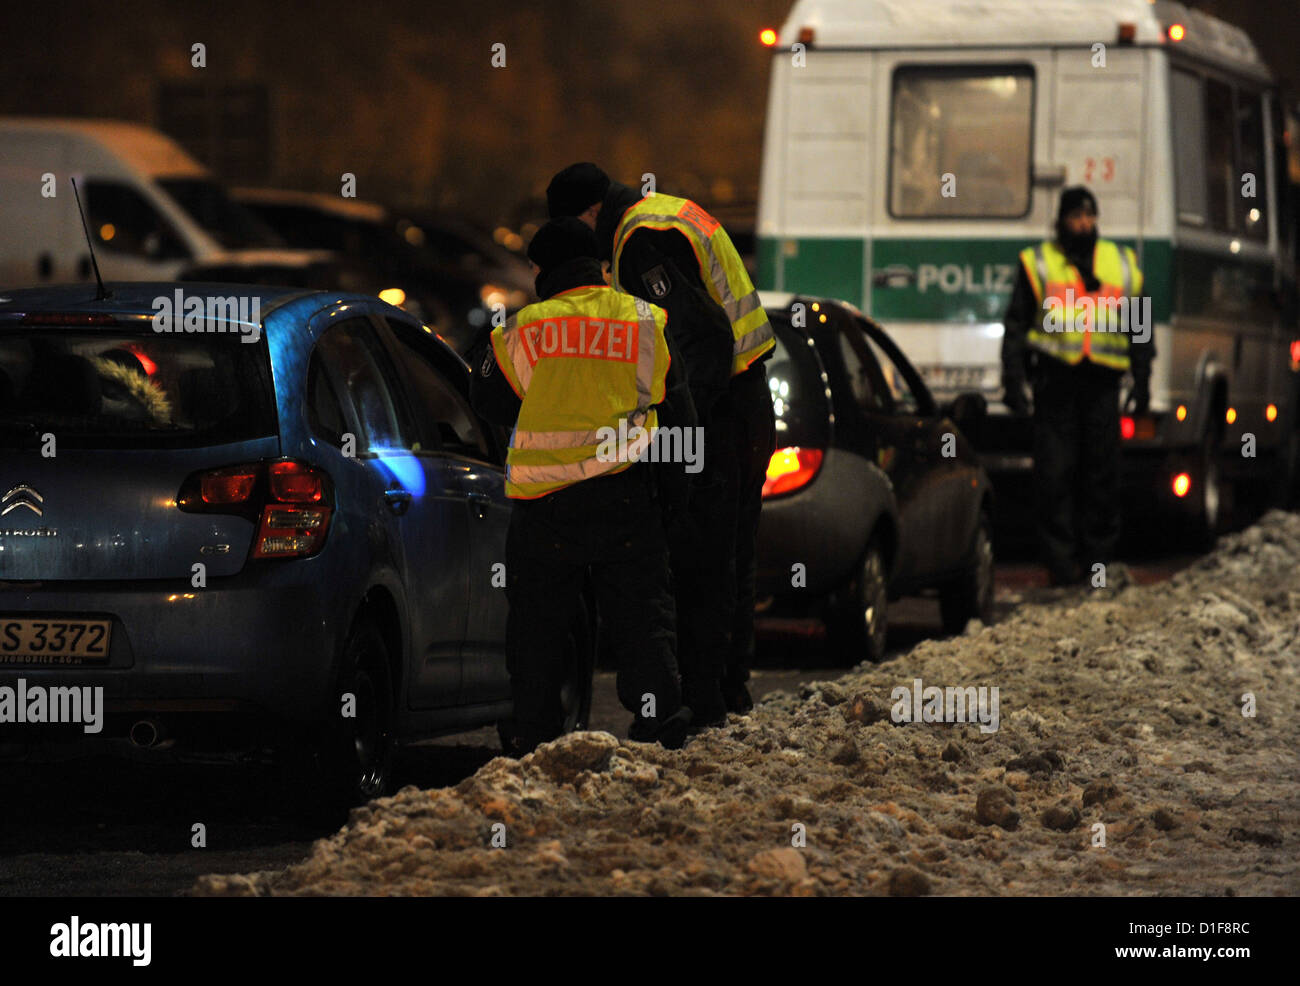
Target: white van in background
1162,111
152,210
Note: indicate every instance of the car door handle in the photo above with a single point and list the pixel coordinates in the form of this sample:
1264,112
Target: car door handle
479,503
398,501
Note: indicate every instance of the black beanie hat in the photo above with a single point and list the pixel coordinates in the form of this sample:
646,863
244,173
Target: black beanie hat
1073,198
576,189
562,240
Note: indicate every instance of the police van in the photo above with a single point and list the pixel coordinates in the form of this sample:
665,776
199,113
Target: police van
914,147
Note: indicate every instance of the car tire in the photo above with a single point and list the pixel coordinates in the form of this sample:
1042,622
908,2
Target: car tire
857,621
1207,514
970,595
356,754
576,688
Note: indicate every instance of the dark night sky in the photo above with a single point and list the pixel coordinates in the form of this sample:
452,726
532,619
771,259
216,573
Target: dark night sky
403,94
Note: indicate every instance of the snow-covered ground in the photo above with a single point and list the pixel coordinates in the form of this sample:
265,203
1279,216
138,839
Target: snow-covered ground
1122,763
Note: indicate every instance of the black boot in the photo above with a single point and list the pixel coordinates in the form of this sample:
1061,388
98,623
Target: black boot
707,703
736,695
669,733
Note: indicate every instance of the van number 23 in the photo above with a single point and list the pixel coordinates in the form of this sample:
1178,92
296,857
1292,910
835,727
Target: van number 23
1090,169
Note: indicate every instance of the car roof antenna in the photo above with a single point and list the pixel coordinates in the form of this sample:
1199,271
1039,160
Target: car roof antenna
103,291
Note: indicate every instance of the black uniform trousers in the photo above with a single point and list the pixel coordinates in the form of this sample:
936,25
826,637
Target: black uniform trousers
611,526
713,544
753,425
1076,464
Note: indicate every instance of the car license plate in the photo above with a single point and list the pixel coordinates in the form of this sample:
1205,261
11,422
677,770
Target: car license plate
53,640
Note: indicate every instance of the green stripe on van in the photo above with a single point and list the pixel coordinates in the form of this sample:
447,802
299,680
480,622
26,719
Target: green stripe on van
830,268
971,280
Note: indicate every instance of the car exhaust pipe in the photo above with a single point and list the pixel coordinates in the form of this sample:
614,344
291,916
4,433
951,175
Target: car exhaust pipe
146,734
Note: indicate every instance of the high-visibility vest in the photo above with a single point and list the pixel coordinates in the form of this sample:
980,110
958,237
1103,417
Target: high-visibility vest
581,361
721,269
1071,329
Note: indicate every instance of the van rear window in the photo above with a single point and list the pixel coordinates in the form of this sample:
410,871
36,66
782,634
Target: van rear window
129,390
960,142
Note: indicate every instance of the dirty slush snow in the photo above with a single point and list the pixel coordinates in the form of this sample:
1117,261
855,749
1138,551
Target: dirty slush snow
1123,708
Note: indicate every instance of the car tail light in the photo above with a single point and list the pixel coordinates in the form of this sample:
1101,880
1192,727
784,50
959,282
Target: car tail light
293,482
291,503
227,487
790,469
1182,484
1143,428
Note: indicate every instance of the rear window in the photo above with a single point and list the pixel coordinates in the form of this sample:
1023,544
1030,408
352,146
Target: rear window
960,142
794,376
132,390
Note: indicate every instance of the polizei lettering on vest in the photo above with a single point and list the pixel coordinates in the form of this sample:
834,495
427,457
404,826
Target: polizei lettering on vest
586,338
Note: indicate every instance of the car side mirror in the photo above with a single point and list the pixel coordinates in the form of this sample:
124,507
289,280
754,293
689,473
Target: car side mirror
967,409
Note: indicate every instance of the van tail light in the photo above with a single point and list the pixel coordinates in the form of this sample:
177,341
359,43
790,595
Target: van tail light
1142,428
289,501
791,468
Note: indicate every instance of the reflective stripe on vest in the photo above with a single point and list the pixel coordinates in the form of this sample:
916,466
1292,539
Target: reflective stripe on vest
581,362
1060,292
721,269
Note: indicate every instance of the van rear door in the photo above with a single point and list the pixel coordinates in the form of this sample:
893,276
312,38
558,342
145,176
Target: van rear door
1098,104
39,236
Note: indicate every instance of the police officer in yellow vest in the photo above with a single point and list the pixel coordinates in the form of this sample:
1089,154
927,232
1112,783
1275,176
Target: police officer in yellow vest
670,251
1073,329
590,367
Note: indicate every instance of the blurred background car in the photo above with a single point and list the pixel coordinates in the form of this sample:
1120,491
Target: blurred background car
873,491
457,243
322,270
451,290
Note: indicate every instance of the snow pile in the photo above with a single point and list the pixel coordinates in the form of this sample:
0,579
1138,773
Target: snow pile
1122,763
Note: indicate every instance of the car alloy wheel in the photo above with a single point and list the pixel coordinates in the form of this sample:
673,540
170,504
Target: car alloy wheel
857,622
970,595
363,761
875,598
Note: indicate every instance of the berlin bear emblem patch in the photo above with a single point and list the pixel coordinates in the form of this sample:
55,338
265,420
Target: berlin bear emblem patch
657,282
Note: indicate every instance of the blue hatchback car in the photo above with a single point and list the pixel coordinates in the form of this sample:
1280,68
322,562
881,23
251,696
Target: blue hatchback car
272,523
